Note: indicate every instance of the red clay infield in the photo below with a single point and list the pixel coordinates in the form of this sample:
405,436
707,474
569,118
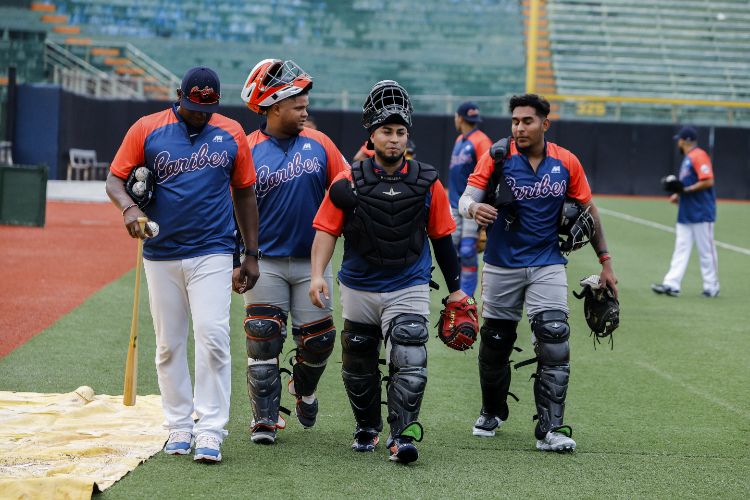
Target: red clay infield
47,272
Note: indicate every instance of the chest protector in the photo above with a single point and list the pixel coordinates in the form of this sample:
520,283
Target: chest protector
387,224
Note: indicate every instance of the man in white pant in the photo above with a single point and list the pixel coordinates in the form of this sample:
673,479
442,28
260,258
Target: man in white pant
193,155
695,218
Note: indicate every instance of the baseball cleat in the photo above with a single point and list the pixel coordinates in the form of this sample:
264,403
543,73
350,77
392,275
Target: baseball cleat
710,293
558,440
486,425
662,289
402,450
207,449
365,440
179,443
262,432
307,413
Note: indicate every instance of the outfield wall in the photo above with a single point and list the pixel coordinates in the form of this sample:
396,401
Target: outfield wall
619,158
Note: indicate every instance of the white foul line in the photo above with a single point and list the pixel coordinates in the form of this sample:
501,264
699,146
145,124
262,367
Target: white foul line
697,392
668,229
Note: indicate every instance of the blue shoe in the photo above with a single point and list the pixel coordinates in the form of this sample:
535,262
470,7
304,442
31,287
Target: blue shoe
402,450
662,289
710,293
365,440
207,449
179,443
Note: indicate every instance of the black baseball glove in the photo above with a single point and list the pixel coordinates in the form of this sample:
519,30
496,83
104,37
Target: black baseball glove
601,308
671,184
140,186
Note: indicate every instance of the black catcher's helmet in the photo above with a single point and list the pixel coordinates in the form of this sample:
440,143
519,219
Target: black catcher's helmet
576,226
388,102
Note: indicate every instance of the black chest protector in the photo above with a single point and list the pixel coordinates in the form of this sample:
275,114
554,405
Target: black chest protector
386,217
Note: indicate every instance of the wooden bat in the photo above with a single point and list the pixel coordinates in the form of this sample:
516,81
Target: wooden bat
131,364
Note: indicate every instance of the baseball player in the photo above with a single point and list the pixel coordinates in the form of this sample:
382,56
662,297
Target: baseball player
366,152
470,145
295,165
194,155
523,264
695,218
387,208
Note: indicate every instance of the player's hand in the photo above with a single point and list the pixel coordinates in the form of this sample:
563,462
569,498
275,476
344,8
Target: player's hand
318,286
484,213
674,198
607,277
132,225
456,296
247,275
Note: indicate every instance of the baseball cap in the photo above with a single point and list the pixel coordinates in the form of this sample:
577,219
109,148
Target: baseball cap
688,133
201,90
469,111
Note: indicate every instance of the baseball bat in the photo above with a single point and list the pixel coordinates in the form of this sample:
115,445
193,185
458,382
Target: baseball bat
131,364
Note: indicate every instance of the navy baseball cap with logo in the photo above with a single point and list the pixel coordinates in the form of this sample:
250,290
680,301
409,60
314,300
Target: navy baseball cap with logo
688,133
469,111
201,90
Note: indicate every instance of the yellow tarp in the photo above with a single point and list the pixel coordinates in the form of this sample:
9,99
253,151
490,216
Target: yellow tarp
60,446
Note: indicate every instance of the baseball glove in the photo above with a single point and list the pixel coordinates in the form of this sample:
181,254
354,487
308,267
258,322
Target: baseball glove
601,308
140,186
672,184
458,324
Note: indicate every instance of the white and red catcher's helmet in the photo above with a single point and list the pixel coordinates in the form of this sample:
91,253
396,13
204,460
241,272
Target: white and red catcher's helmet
271,81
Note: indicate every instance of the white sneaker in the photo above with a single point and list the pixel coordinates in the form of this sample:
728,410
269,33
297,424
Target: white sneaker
207,448
556,441
179,443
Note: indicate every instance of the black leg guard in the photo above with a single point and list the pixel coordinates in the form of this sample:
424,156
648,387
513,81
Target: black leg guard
314,345
265,329
361,373
553,369
495,347
408,370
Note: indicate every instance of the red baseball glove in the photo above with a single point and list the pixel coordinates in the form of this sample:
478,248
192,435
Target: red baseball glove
458,325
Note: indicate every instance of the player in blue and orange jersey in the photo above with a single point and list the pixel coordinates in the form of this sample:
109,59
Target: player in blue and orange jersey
523,264
470,145
366,152
194,155
696,216
387,208
295,165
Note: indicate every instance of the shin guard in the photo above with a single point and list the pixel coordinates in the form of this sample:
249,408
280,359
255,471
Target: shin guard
314,346
361,372
553,369
495,347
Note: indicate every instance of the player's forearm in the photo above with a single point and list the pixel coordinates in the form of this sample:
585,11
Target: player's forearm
598,242
246,212
471,196
115,188
699,186
321,253
447,260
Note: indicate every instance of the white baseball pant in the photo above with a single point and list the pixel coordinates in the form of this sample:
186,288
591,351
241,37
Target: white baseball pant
199,288
702,233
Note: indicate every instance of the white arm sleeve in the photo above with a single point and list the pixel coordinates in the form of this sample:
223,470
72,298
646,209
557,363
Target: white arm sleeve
471,195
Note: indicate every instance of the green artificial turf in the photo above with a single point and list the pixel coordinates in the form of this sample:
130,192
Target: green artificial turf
663,415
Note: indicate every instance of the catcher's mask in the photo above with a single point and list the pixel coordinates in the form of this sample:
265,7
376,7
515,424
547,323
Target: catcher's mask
271,81
388,102
576,227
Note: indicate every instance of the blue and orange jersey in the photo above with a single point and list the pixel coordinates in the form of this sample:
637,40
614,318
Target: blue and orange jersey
293,176
466,151
538,199
698,206
359,274
192,201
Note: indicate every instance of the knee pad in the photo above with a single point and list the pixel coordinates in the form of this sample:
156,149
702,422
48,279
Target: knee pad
552,332
467,252
265,329
495,347
315,341
360,370
408,370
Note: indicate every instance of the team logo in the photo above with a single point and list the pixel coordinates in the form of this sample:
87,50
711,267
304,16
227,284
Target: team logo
218,138
556,169
705,169
165,167
543,188
297,167
392,192
307,147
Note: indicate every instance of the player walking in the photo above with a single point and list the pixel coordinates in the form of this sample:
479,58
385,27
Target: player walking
523,264
193,154
386,208
695,218
295,165
470,145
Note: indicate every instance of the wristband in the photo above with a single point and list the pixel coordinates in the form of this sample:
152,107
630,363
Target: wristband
604,258
128,208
